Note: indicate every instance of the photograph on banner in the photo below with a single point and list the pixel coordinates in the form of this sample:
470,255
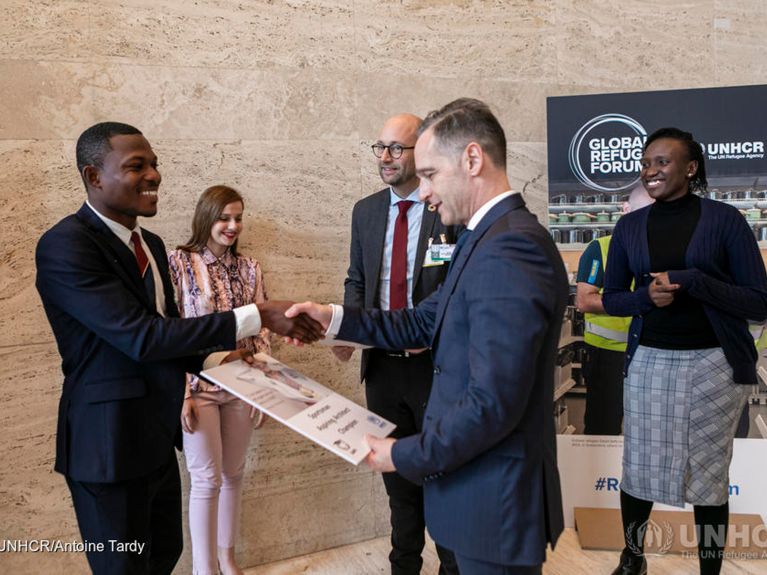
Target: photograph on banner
594,150
302,404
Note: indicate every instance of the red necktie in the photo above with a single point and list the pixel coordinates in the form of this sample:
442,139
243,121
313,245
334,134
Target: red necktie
141,259
398,278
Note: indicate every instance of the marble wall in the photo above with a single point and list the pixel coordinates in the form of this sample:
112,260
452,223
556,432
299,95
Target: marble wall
281,99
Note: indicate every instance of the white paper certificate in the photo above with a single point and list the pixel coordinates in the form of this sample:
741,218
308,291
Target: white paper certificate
327,418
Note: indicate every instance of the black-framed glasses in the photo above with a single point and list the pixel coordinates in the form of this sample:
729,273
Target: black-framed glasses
395,150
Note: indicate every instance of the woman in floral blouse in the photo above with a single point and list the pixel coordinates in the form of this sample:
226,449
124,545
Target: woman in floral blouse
210,275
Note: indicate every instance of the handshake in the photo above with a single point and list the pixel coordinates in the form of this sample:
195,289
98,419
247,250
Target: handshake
298,323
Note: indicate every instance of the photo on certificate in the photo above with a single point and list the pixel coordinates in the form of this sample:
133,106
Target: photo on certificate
306,406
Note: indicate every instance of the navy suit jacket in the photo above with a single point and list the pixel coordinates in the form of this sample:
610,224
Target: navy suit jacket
487,453
123,362
369,219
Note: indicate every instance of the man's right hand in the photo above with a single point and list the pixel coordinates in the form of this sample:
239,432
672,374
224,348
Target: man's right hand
342,352
318,312
298,326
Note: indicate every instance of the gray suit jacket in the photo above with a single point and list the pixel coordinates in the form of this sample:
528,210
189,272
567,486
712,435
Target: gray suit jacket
369,219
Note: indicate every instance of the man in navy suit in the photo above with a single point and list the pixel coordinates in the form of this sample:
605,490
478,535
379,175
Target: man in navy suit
106,291
487,453
391,268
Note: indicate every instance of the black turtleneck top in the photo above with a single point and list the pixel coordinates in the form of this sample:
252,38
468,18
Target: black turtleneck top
683,324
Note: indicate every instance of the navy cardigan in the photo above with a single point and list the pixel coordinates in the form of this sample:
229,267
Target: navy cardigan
725,272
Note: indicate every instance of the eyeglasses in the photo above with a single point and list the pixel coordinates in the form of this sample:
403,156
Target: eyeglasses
395,150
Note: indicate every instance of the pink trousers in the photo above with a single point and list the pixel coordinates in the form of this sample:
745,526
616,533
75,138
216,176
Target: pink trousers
215,457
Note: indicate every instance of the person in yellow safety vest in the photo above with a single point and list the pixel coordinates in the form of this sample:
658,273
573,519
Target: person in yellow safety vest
604,336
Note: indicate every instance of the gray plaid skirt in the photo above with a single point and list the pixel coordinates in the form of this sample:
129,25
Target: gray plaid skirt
681,410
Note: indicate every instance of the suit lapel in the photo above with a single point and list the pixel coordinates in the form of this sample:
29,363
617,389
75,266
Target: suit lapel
121,255
375,224
506,205
428,220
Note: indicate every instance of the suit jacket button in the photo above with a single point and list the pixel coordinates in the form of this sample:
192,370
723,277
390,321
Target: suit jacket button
436,369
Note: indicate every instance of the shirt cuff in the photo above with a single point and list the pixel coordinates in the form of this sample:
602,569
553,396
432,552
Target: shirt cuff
248,321
335,321
214,359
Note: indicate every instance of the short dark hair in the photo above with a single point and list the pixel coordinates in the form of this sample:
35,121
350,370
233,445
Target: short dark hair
694,153
93,143
209,207
468,120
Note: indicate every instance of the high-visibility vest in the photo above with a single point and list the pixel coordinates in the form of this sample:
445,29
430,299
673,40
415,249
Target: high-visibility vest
602,330
759,333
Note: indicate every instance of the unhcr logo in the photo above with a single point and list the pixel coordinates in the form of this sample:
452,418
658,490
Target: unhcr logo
608,148
651,534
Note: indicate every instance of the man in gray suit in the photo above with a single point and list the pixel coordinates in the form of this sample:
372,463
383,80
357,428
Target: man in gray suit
391,268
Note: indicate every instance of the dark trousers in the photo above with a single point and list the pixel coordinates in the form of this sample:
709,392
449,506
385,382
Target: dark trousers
476,567
143,510
603,371
398,389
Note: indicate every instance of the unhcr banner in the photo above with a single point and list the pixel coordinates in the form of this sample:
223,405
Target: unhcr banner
595,146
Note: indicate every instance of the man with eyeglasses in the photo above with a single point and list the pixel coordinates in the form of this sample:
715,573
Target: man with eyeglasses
391,267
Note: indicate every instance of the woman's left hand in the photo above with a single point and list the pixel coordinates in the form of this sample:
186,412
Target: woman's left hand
661,290
260,418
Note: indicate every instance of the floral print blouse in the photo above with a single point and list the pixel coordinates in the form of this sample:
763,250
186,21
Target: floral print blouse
206,284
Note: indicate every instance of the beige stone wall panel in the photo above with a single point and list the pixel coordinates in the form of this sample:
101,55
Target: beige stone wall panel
321,517
226,104
44,30
519,105
739,31
635,45
38,186
30,491
264,35
466,39
44,100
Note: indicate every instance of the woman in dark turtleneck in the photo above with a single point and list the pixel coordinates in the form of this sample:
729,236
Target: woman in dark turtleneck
690,356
